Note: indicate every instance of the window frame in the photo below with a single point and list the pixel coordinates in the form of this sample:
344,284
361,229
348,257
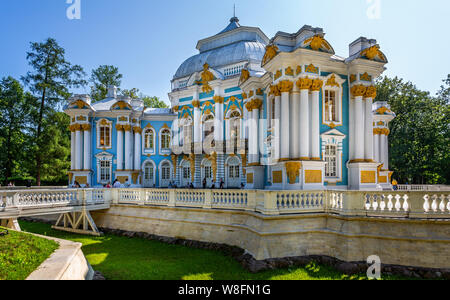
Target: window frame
338,100
146,150
106,124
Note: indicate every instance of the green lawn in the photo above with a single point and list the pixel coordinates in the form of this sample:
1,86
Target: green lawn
122,258
21,254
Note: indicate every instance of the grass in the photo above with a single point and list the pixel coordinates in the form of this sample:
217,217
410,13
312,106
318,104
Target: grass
122,258
21,254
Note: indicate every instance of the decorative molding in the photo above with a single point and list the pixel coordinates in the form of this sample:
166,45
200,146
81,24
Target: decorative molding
271,52
285,86
358,90
313,176
293,171
316,85
304,83
371,92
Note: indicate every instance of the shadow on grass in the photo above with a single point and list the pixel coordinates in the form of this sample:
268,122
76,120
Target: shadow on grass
123,258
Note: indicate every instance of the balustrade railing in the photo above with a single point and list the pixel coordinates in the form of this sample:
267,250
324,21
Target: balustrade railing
396,204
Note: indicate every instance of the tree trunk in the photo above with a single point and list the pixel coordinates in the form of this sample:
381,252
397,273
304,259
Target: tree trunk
38,140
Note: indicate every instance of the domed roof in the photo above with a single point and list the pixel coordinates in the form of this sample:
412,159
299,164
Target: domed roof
250,51
232,45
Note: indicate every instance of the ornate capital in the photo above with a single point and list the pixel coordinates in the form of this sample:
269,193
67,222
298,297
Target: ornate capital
274,91
371,92
249,106
316,85
176,108
196,104
304,83
244,96
137,129
257,103
358,90
119,127
127,127
218,99
86,127
285,86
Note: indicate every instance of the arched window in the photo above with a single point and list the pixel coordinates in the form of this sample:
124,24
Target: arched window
149,140
165,140
332,101
104,134
330,106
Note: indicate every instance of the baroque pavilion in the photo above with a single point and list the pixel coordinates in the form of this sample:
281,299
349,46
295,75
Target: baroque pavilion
284,113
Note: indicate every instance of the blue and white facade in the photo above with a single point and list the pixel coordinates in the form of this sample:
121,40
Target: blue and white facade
248,111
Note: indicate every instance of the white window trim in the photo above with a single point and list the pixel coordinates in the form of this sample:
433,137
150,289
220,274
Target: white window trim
160,170
227,170
98,125
146,151
161,150
104,156
339,100
336,138
154,170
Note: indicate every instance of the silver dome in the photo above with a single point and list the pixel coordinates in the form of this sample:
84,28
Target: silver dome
250,51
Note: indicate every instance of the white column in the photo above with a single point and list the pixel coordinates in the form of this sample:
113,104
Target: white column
72,151
385,150
351,139
304,124
359,129
295,124
285,155
382,151
137,148
315,131
376,147
368,136
128,153
255,113
87,149
79,149
119,147
197,127
277,125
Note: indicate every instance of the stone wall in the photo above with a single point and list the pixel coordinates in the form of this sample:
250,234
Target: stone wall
417,243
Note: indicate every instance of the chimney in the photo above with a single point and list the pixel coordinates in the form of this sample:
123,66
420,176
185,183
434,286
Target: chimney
112,92
361,44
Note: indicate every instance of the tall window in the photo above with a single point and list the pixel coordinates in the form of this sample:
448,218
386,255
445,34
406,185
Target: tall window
149,140
104,134
186,173
105,171
331,159
330,106
235,127
165,171
208,172
165,139
233,171
148,171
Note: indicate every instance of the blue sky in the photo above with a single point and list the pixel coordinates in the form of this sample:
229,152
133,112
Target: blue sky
149,39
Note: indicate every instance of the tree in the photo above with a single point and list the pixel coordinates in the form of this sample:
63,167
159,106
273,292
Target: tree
133,93
419,137
101,78
153,102
14,111
50,79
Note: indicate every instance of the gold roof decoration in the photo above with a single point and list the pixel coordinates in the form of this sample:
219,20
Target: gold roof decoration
312,69
245,75
317,42
271,52
374,53
207,76
332,81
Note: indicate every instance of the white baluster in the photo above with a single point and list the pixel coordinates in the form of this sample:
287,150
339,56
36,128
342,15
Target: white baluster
374,202
398,205
390,204
448,204
382,203
434,205
426,204
405,203
368,204
442,205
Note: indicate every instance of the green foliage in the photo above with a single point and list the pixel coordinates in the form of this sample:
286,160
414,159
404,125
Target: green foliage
420,135
21,254
153,102
14,115
101,78
122,258
49,81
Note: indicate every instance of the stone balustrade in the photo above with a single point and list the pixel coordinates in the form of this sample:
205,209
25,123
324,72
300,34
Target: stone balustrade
417,204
